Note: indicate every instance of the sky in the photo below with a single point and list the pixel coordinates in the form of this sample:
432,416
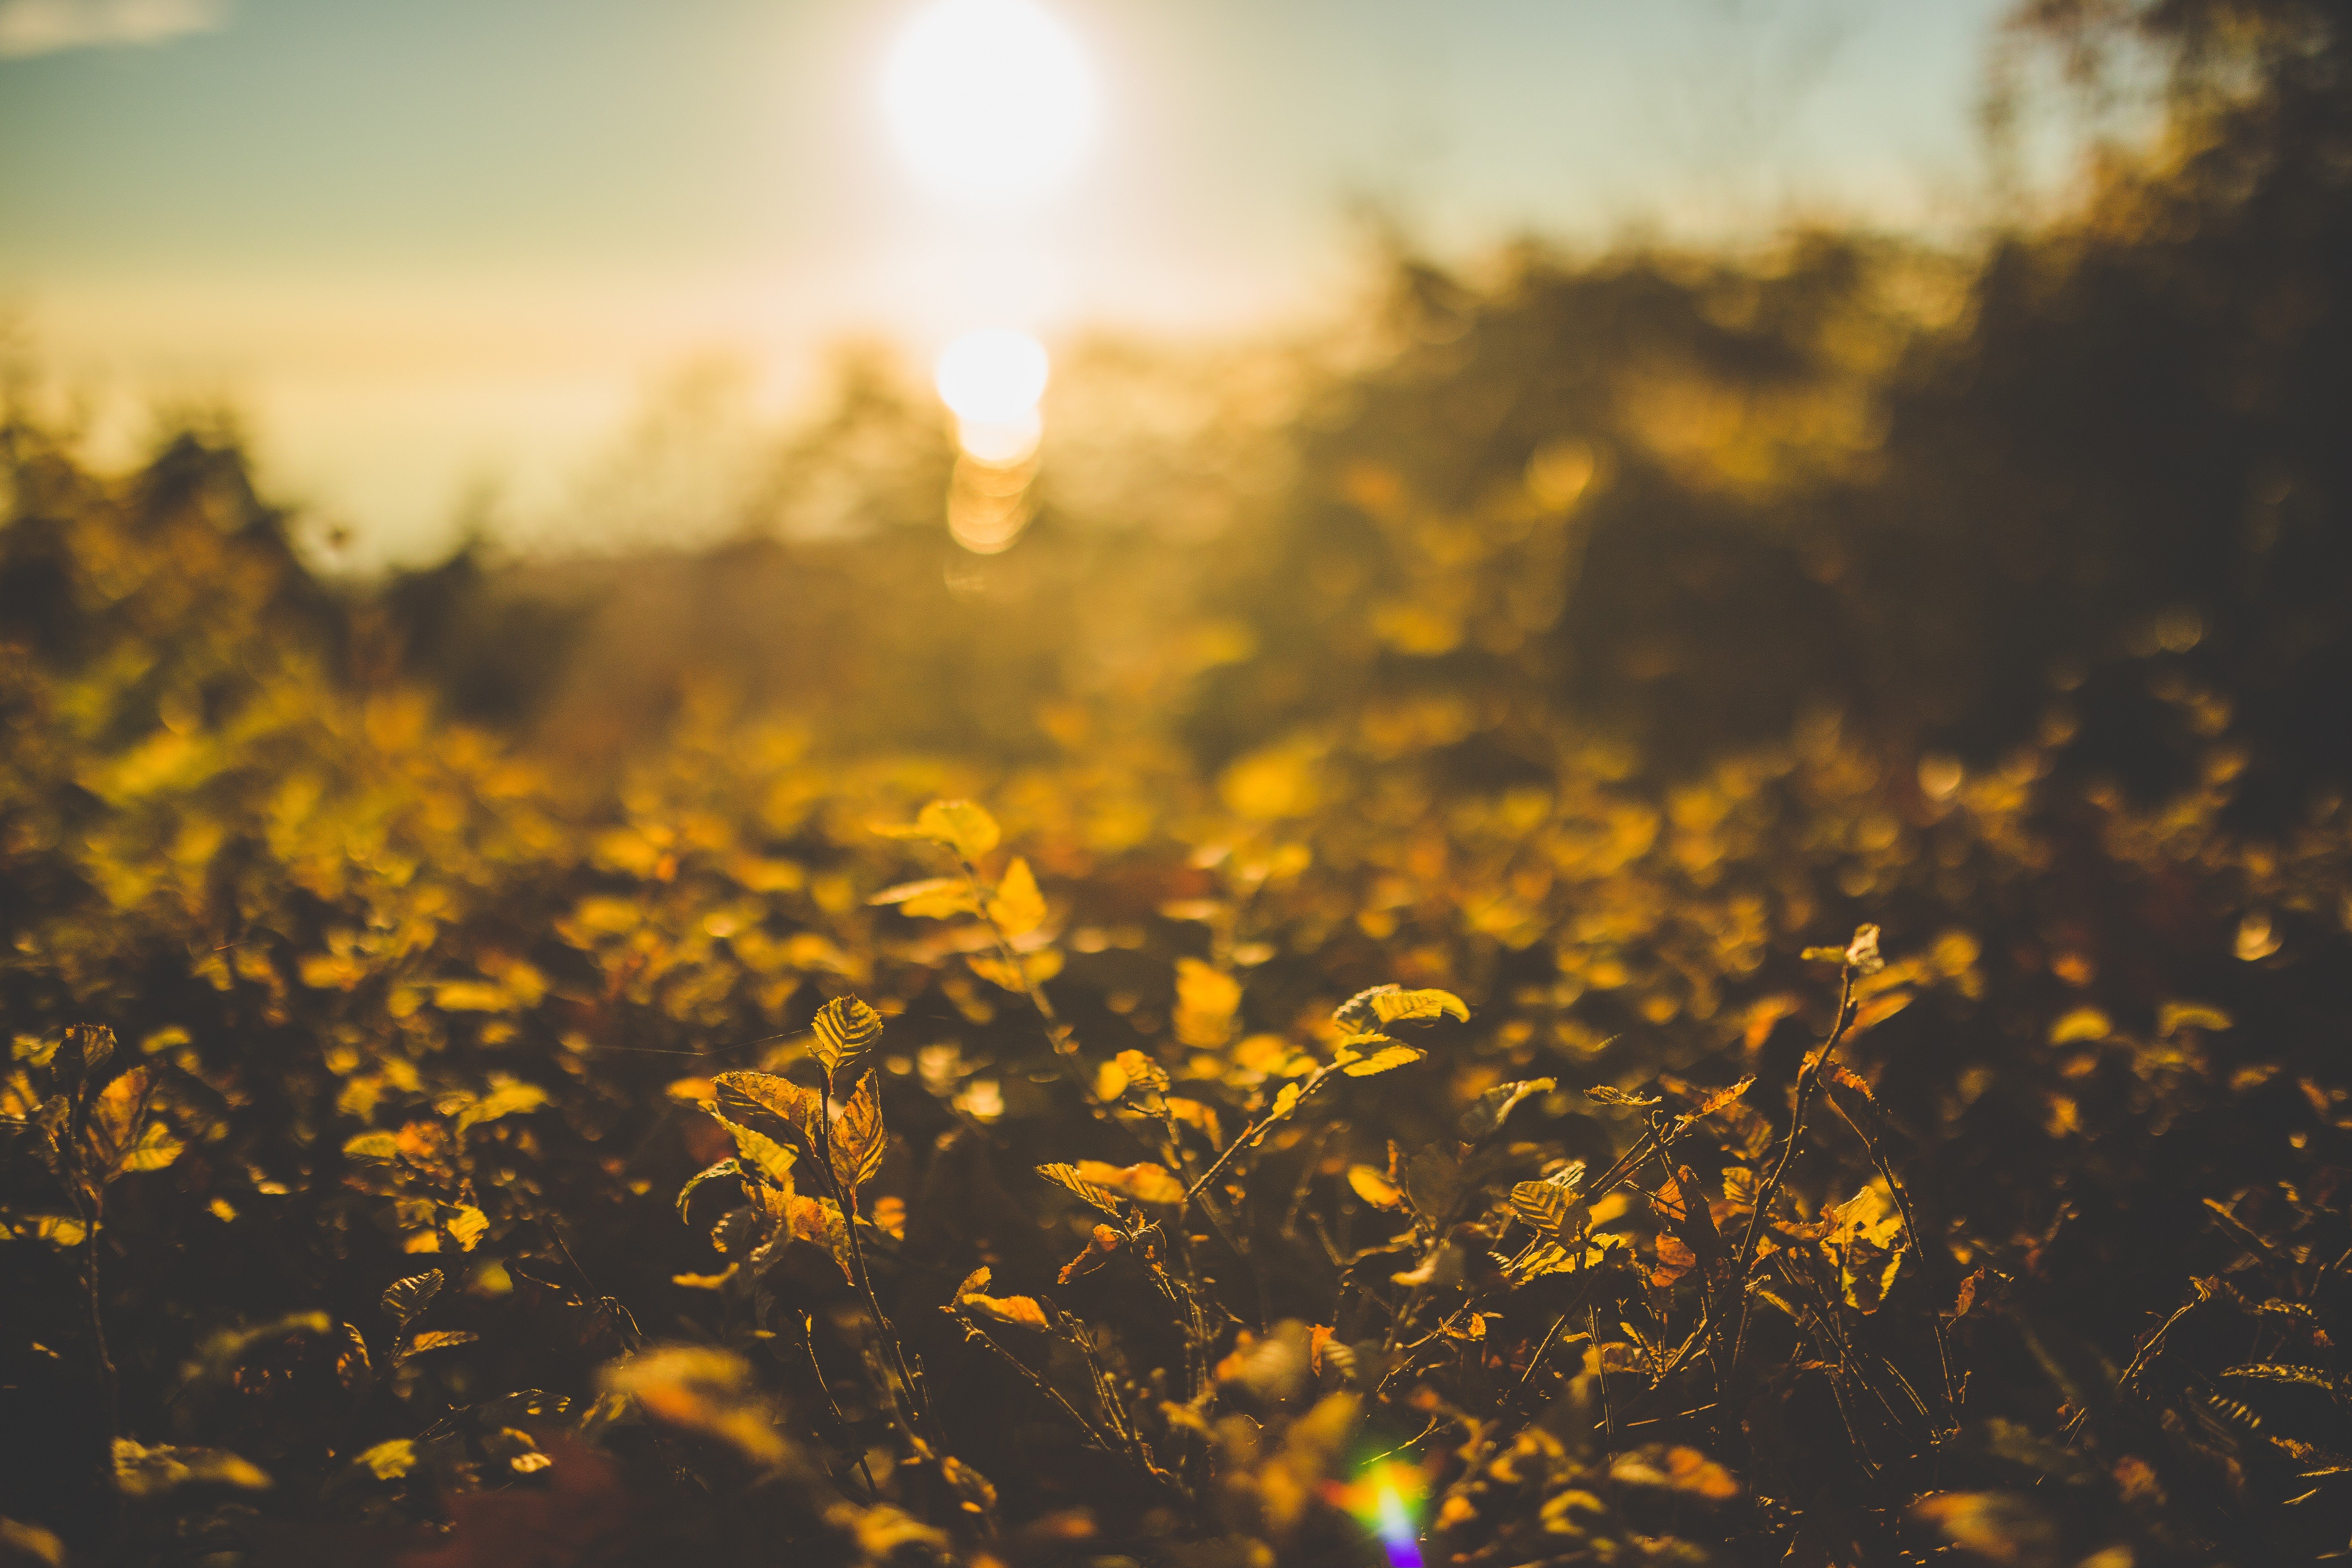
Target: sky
436,250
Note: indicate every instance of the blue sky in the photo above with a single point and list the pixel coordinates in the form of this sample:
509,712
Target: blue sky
431,244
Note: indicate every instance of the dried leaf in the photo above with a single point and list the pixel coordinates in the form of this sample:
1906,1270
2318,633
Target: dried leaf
1675,1259
1602,1094
1021,1310
1145,1182
1551,1210
1099,1251
1724,1096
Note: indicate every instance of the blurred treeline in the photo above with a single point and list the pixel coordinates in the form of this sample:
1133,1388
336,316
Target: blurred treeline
1587,639
1681,497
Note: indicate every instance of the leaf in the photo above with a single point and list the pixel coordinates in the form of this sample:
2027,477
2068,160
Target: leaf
1018,908
506,1099
744,1093
1387,1060
1550,1210
1486,1115
155,1149
1104,1242
150,1472
1139,1068
1601,1094
115,1118
963,827
1374,1187
727,1167
2283,1372
1722,1097
1201,1116
820,1220
933,898
1878,1009
1394,1005
57,1229
1021,1310
706,1281
437,1340
97,1042
1432,1179
1285,1103
1145,1182
845,1029
466,1225
858,1137
763,1154
1854,1081
1036,968
1862,953
1675,1259
380,1146
404,1300
1066,1177
389,1461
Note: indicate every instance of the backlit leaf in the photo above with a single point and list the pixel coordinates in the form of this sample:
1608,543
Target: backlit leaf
1491,1108
1374,1187
404,1300
1550,1210
1067,1178
727,1167
933,898
741,1094
1018,908
1393,1003
466,1224
150,1472
506,1099
845,1029
759,1152
1385,1060
858,1137
437,1340
963,827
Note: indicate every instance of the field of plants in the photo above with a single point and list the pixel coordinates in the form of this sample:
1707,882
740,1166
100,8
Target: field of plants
1703,913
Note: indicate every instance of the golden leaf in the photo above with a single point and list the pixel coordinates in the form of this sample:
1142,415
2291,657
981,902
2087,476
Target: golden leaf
1674,1259
1384,1060
845,1029
404,1300
1549,1209
1018,908
796,1107
964,827
933,898
466,1225
1036,968
1145,1182
760,1153
858,1140
1393,1003
1374,1187
1067,1178
1021,1310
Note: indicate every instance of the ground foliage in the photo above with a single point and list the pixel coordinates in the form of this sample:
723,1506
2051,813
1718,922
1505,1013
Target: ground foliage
1720,934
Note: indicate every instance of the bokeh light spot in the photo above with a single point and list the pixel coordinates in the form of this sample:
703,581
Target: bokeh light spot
990,99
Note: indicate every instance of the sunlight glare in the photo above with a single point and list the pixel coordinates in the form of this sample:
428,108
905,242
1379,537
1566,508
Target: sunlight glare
990,99
993,376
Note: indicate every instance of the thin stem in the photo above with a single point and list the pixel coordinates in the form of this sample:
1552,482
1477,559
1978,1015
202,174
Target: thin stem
1809,1078
912,1408
1911,1225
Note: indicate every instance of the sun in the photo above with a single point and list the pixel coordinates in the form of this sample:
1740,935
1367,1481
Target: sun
990,99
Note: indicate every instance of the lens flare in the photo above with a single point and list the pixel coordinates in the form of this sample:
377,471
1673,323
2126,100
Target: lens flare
990,99
1385,1499
993,377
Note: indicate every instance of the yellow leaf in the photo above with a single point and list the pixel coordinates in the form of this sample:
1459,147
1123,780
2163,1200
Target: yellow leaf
1878,1009
156,1148
858,1137
1021,1310
1374,1187
1018,908
506,1099
1206,1000
57,1229
934,898
2082,1023
761,1152
373,1146
1385,1060
466,1225
1037,967
743,1092
964,827
148,1472
845,1029
1145,1182
706,1281
389,1461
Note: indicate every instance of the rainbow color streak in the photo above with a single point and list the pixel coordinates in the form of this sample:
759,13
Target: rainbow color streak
1385,1497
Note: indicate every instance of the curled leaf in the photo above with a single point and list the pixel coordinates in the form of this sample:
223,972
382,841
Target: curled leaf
1384,1060
1393,1003
727,1167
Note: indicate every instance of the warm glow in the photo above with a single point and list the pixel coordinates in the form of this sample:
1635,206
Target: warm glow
990,99
994,376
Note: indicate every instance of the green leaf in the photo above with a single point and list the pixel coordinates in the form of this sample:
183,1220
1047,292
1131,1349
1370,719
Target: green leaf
404,1300
727,1167
847,1030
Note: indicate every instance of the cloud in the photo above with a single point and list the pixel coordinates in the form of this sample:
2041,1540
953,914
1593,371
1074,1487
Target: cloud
46,27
